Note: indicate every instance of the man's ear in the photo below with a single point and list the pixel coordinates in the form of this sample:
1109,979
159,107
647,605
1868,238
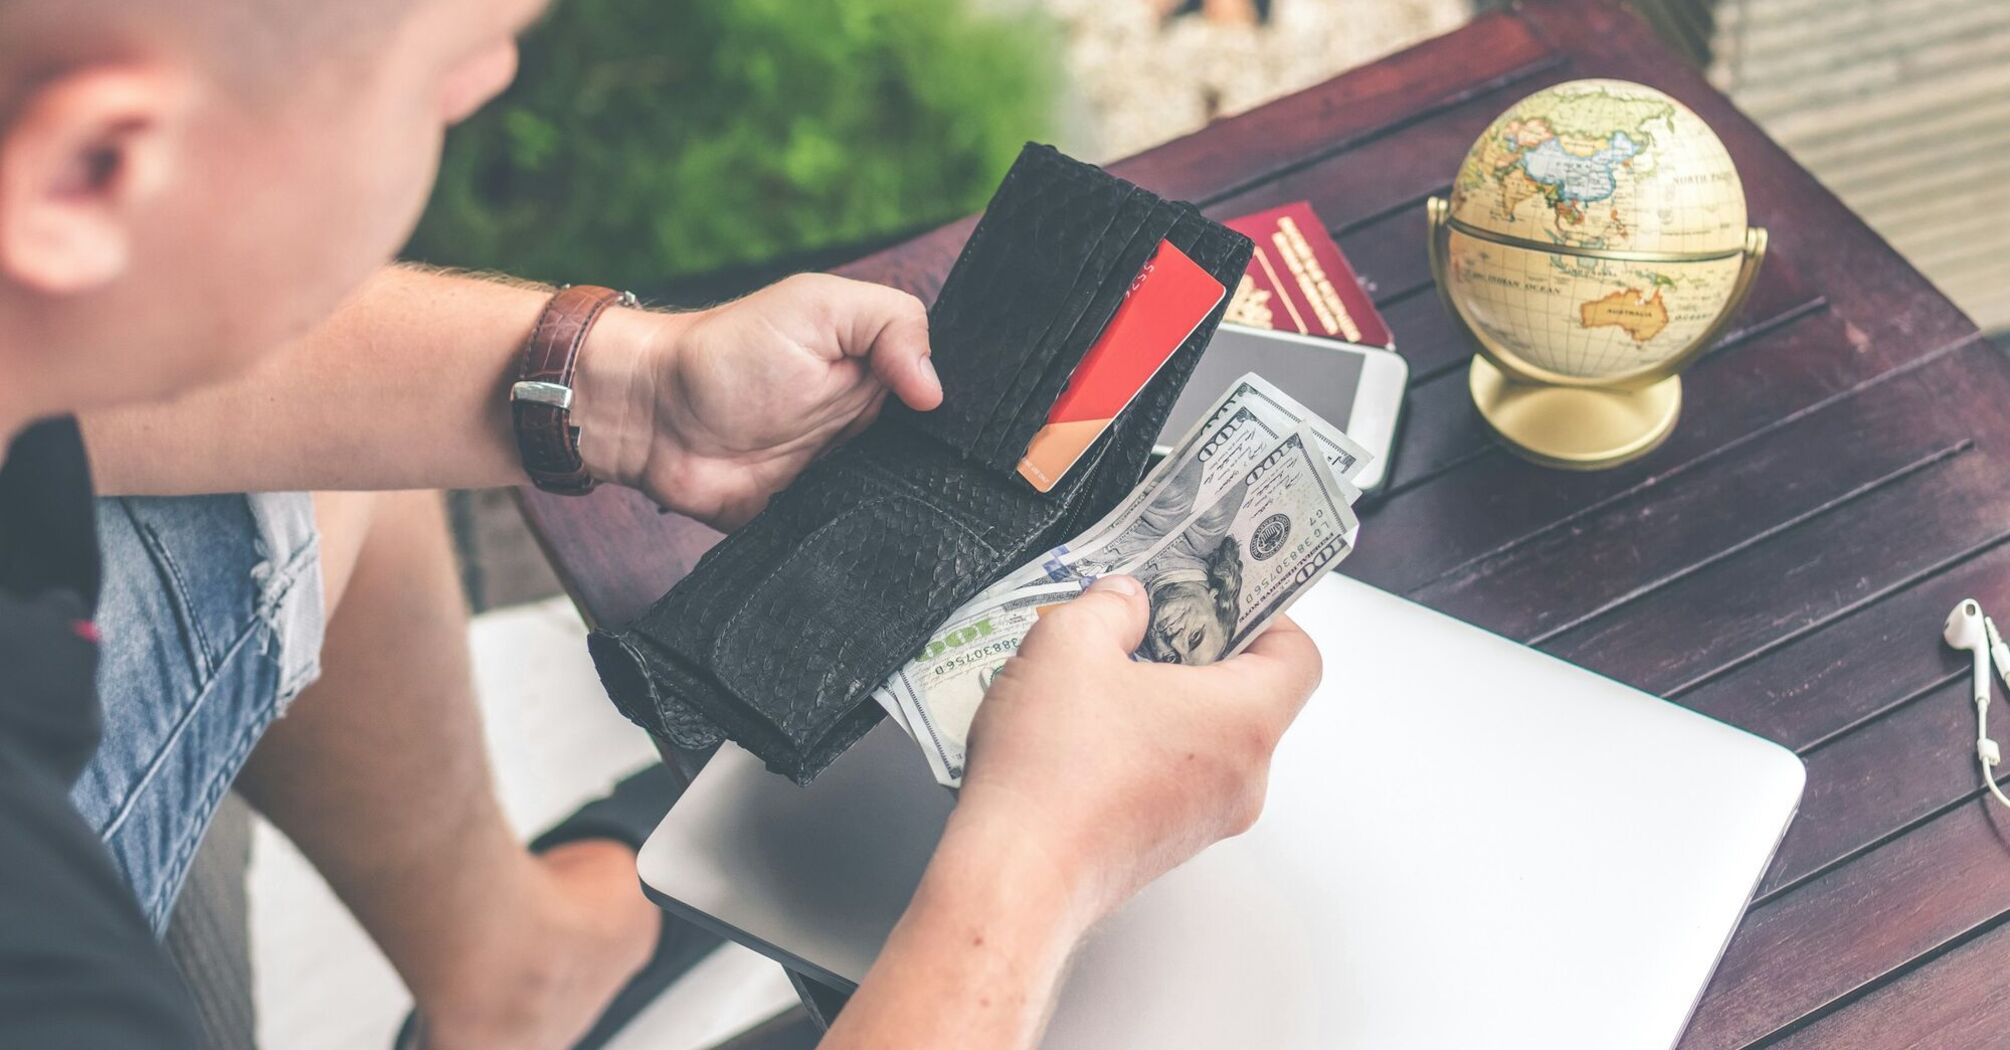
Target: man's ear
83,155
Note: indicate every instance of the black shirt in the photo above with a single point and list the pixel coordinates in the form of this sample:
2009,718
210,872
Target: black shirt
78,965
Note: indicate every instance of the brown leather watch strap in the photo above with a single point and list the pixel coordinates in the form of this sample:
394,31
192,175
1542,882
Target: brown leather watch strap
541,400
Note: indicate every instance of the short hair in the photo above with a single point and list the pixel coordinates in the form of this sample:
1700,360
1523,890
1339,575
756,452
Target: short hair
246,41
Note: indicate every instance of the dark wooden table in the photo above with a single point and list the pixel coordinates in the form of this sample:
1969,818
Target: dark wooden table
1783,562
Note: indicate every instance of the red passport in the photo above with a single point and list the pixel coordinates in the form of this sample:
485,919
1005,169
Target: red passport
1299,282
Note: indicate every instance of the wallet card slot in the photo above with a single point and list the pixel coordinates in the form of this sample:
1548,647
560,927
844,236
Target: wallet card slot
1010,289
1001,374
1076,324
1025,407
1118,459
1224,254
1006,437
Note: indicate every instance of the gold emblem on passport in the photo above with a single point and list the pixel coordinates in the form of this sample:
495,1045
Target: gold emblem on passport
1249,305
1594,245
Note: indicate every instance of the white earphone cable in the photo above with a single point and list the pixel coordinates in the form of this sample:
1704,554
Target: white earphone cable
1970,630
1998,650
1986,750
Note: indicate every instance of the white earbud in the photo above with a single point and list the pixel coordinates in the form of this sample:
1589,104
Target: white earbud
1967,628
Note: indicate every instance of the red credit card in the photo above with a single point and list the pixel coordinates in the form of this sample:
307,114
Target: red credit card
1167,300
1299,282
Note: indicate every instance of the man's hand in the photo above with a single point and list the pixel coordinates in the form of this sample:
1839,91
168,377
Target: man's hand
710,413
1122,769
1090,774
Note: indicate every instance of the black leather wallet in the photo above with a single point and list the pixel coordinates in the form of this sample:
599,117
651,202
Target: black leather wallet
779,635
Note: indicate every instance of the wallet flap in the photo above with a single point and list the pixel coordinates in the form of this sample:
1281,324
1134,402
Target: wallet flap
1017,287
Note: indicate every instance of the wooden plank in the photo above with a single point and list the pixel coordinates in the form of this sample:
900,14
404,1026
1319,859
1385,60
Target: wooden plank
1441,430
1892,773
1391,254
1804,688
1660,532
1404,90
1407,87
1958,1001
1837,936
1394,172
1486,505
1425,336
1897,770
1422,455
1878,543
615,553
918,266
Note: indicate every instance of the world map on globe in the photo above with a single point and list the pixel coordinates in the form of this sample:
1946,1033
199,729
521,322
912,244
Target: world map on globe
1597,229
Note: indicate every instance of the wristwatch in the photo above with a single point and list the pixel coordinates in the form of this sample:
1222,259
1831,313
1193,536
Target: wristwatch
541,399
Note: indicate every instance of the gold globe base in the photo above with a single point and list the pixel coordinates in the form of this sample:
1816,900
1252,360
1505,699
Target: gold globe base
1575,427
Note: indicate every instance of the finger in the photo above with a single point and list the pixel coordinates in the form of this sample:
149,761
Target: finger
1280,669
890,330
1109,617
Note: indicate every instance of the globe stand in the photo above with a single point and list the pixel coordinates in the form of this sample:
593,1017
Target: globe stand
1572,422
1575,427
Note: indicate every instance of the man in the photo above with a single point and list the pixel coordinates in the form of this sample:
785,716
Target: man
196,197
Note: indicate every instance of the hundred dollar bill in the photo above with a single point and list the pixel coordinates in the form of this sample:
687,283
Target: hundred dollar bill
936,694
1251,421
1342,453
1276,412
1214,582
894,712
1232,568
1244,423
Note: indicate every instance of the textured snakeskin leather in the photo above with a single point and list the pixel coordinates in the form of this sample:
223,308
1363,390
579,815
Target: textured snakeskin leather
778,636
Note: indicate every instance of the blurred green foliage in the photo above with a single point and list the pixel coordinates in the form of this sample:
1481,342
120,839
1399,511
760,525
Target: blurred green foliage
648,139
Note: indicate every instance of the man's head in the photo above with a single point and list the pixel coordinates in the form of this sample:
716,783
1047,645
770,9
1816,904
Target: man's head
186,185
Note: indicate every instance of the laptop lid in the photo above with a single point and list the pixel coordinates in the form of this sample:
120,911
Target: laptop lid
1466,842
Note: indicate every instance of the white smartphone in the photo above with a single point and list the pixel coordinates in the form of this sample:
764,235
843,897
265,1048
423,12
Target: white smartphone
1356,388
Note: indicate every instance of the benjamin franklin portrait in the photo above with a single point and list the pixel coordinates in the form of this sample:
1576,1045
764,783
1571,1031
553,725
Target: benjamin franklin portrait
1195,585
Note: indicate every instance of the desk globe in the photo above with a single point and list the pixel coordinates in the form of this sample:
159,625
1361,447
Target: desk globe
1594,244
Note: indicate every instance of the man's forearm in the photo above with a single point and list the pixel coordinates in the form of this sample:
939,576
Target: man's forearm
404,387
975,960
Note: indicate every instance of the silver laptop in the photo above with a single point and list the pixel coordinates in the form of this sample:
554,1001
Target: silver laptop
1467,843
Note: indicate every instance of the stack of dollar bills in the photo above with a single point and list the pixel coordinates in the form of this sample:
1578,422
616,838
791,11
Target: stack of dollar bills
1251,508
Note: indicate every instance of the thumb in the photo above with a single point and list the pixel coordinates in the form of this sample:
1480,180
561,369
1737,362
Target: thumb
890,327
1110,615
